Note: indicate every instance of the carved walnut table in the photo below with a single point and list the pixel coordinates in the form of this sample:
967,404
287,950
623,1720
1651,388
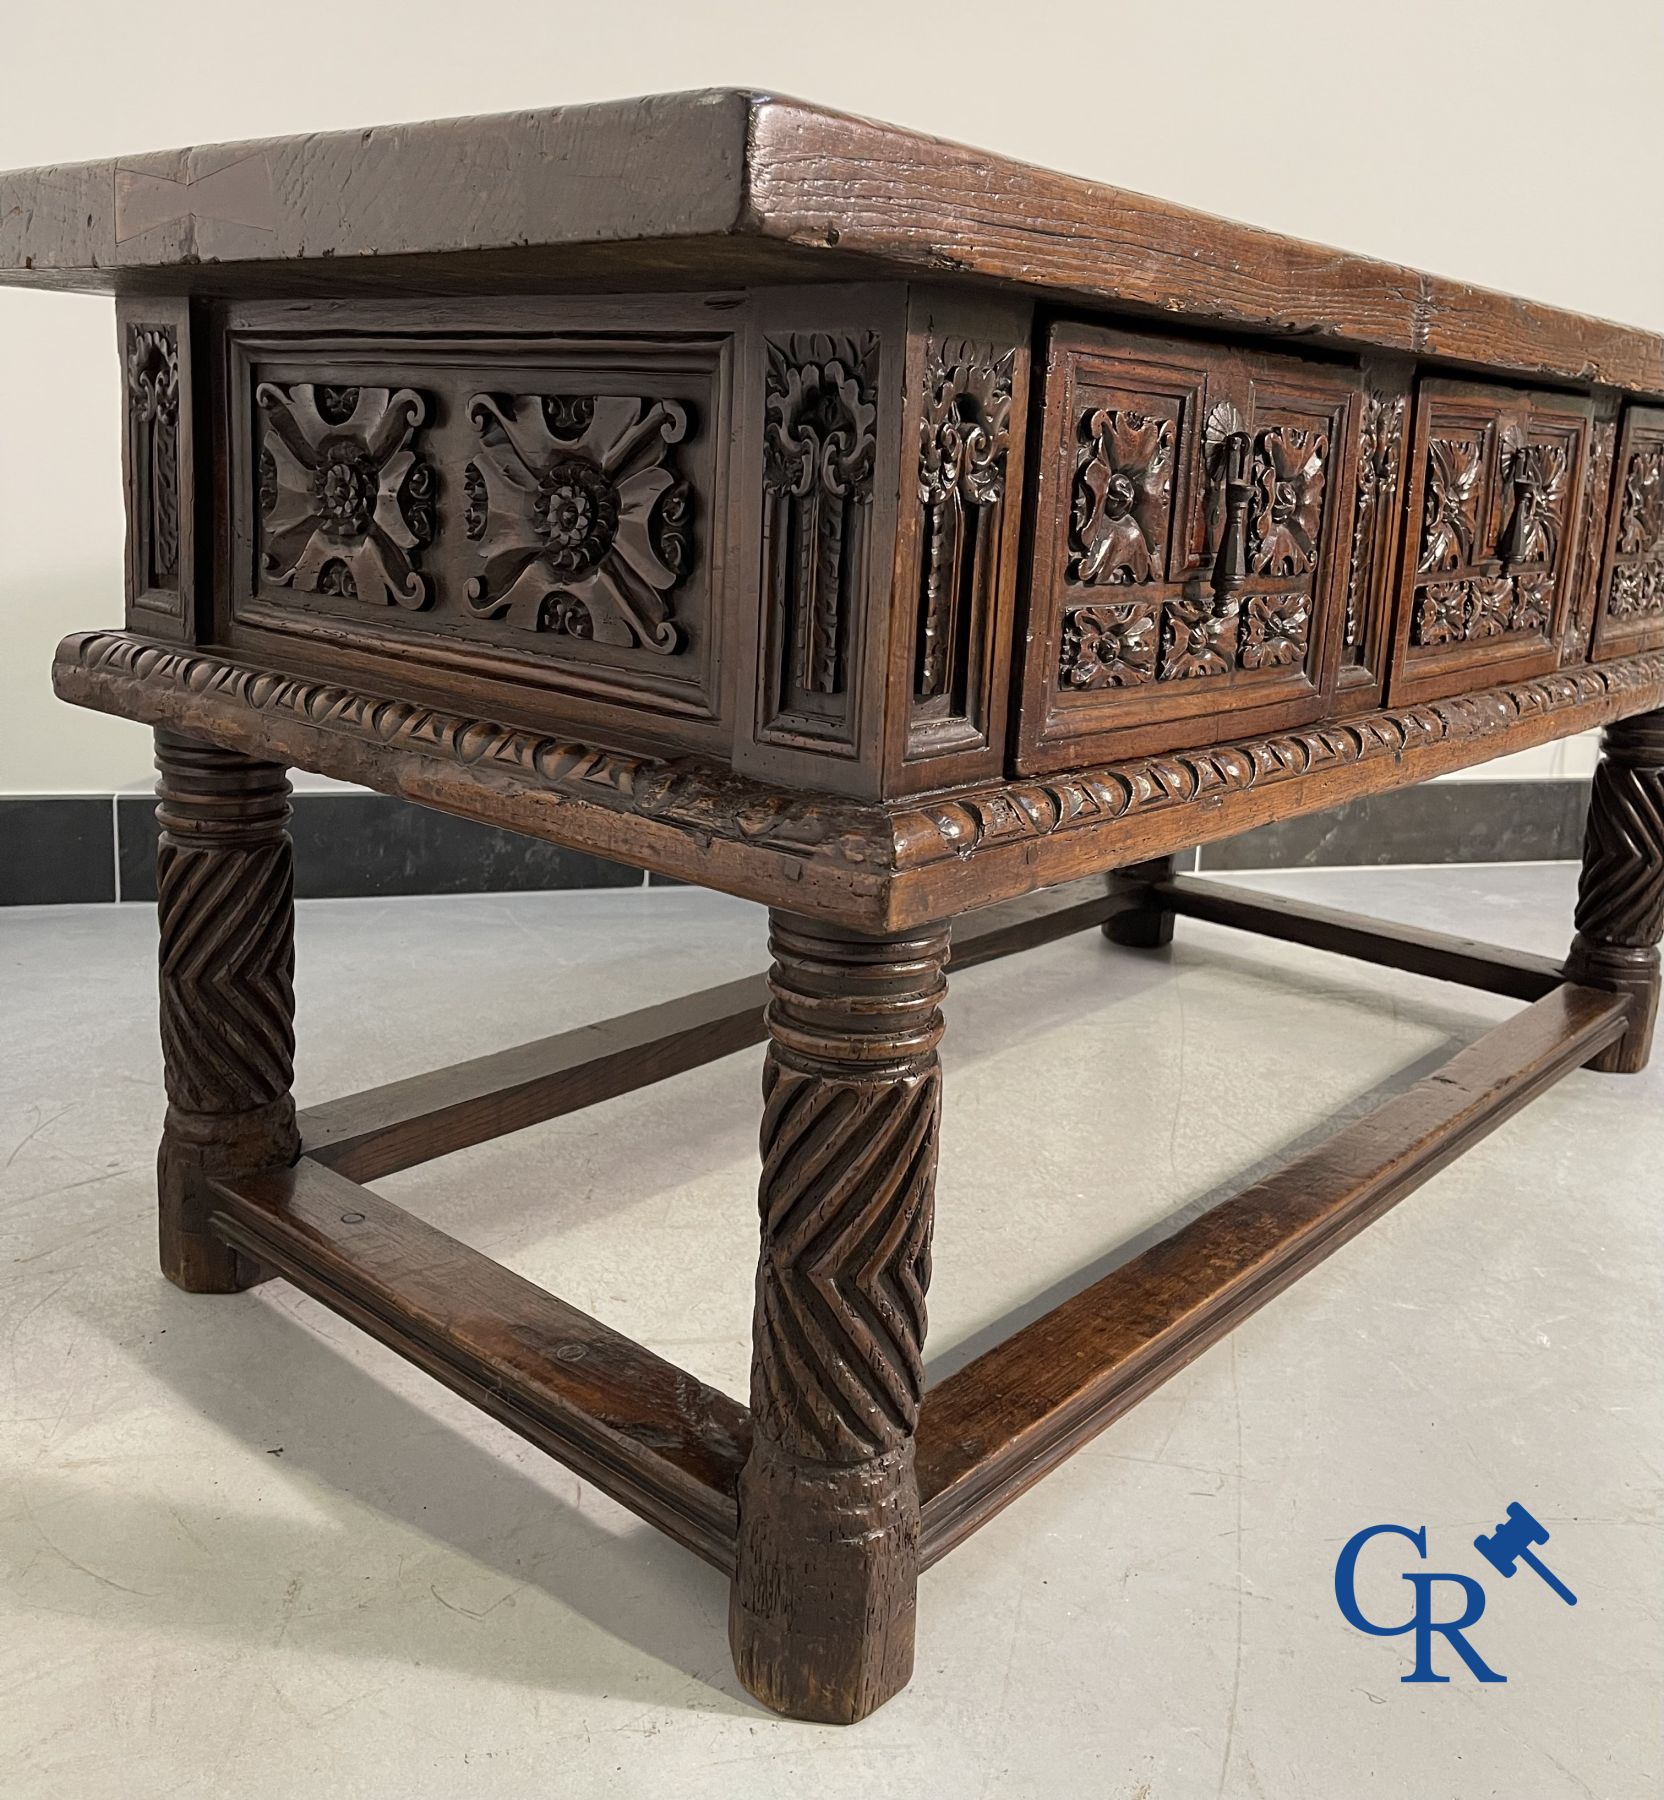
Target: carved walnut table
881,531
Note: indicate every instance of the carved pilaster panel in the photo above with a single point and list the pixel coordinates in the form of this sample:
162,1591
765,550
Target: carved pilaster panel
157,465
1498,505
1629,611
1591,545
819,448
1365,647
1193,543
964,442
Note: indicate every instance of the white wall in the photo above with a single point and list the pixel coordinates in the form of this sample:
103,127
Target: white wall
1509,142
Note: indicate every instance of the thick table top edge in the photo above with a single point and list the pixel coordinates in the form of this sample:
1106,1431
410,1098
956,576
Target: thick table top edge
736,186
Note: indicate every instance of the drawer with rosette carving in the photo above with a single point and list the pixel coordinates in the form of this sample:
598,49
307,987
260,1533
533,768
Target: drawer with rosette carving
1496,506
1201,566
532,495
1629,608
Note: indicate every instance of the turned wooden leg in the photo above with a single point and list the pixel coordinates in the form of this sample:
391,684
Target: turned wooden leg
1140,922
821,1618
225,896
1620,900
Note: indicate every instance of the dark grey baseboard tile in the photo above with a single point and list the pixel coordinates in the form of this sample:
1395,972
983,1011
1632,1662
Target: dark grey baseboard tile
1438,822
350,846
56,849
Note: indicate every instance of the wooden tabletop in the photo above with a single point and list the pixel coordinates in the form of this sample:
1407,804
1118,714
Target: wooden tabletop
727,187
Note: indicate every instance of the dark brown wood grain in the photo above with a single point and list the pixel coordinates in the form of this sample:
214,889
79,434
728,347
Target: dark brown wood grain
821,178
996,1426
644,1431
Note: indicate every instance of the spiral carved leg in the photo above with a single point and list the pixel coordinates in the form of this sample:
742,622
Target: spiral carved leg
225,896
821,1619
1620,900
1139,921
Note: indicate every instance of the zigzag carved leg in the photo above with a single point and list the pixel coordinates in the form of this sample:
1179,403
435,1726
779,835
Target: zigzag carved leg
1620,900
821,1619
225,895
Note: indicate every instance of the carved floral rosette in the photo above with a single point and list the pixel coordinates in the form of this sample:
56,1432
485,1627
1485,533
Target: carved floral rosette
1290,473
346,503
580,515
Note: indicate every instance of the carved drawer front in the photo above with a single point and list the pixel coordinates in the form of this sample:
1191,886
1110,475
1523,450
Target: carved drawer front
1629,611
1194,510
1494,509
545,508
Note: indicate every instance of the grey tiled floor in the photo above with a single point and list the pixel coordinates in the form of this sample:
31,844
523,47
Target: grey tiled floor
244,1551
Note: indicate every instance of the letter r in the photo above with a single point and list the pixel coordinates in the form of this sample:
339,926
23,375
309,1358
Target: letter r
1422,1581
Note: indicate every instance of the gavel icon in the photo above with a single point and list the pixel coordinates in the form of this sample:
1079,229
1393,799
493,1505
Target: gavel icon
1510,1544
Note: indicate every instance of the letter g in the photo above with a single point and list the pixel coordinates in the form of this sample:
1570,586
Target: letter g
1346,1575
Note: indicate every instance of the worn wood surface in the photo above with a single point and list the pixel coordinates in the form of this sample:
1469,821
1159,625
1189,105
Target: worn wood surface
753,186
919,200
643,1430
996,1426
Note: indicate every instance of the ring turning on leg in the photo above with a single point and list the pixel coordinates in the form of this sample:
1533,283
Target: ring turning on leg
1620,899
821,1619
225,898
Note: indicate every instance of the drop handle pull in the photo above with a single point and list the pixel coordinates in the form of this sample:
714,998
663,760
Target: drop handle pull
1234,473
